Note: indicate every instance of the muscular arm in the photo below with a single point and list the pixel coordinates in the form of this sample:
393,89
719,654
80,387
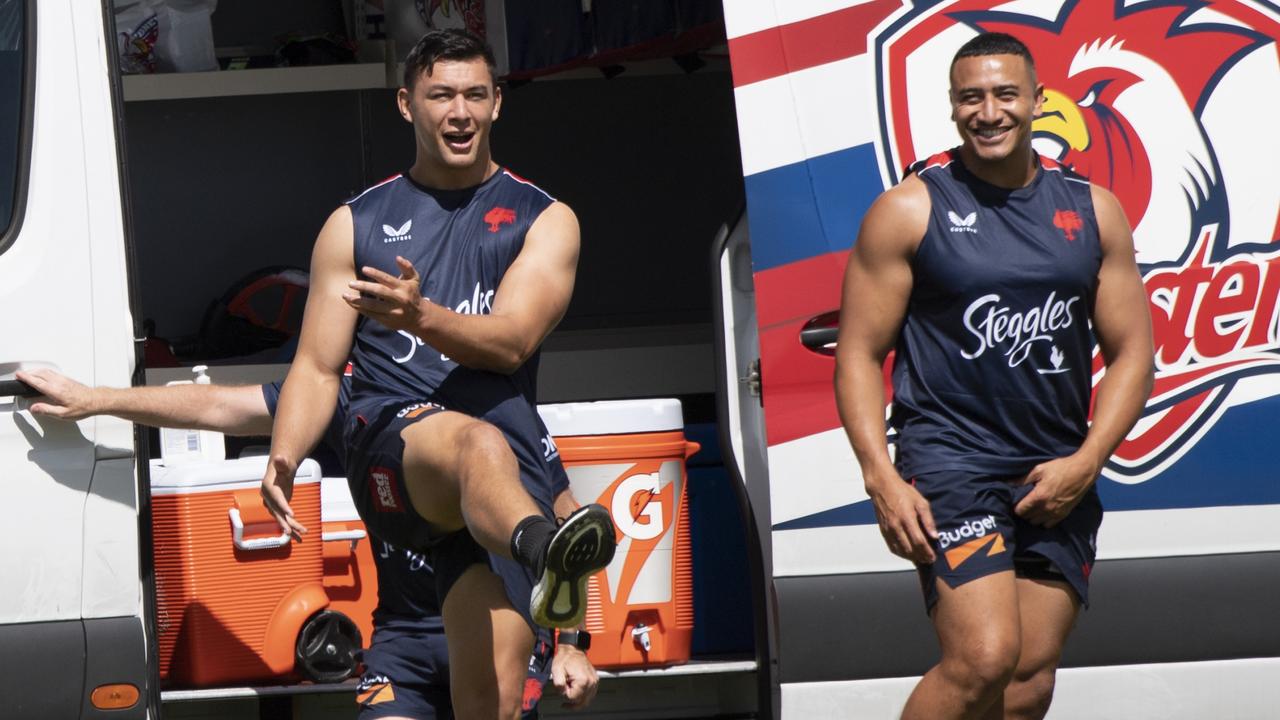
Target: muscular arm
230,409
310,391
529,302
877,285
1122,325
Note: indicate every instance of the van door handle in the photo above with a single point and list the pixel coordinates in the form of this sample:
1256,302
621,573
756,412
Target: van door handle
820,333
17,388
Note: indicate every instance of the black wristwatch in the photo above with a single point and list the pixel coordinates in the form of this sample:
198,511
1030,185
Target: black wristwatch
580,639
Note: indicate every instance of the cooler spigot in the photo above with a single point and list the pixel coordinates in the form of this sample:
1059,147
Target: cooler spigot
641,635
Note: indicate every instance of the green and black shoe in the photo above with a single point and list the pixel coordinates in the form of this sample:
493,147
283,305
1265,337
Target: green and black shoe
581,547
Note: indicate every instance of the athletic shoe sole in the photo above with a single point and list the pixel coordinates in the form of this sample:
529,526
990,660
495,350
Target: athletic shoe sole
581,547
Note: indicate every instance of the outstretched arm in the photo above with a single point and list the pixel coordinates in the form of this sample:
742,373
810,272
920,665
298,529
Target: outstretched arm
310,391
1122,324
877,286
230,409
529,302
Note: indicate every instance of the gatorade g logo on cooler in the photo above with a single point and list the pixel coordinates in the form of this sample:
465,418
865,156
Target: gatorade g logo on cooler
635,512
643,509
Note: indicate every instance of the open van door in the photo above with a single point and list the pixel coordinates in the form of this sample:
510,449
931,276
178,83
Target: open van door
71,604
834,99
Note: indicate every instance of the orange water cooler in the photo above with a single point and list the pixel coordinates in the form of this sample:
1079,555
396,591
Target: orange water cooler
233,593
350,577
629,456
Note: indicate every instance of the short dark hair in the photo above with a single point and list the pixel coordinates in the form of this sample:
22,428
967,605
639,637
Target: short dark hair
446,44
995,43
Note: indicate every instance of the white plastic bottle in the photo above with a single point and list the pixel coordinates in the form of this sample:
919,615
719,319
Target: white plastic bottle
179,445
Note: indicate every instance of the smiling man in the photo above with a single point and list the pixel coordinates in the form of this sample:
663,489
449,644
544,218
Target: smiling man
441,285
983,270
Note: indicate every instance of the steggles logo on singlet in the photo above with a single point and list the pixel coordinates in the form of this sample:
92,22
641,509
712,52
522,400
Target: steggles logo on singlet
397,234
480,303
963,224
1015,333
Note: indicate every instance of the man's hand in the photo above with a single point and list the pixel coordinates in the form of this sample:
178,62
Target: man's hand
396,302
277,488
905,519
1059,486
64,398
574,677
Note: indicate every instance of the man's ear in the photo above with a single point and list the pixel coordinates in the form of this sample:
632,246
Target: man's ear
497,101
402,103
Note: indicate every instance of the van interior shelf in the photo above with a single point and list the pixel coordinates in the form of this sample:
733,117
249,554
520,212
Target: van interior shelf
695,667
263,81
361,76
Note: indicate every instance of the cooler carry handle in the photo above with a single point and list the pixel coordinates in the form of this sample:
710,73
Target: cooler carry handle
337,535
260,543
256,514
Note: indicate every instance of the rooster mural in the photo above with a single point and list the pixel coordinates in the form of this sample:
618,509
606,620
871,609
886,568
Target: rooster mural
1127,92
1115,74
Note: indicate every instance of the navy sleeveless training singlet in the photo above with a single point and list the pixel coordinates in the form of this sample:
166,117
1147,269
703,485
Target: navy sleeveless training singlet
992,370
461,242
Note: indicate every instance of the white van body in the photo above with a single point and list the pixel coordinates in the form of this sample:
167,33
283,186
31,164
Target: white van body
72,609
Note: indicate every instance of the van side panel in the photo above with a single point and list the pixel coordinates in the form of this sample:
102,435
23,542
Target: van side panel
72,606
45,678
834,99
107,665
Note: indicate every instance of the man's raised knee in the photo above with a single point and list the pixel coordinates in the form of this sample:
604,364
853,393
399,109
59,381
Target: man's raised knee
480,439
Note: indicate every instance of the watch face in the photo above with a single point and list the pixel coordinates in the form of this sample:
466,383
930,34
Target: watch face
580,639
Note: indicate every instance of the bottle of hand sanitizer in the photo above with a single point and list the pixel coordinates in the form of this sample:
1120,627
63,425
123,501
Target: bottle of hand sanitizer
178,445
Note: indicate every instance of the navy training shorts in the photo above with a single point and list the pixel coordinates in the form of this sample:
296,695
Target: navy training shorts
979,534
407,675
375,474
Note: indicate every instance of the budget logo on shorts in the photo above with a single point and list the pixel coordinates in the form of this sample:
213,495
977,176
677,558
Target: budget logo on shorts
966,540
415,410
969,529
1142,99
382,484
375,690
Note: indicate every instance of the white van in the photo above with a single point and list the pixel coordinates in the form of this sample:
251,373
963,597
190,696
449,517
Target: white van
74,606
833,98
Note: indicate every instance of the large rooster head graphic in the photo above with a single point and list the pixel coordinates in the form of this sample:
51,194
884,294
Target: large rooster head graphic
1126,87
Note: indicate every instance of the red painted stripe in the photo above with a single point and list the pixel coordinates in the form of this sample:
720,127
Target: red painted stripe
800,290
807,43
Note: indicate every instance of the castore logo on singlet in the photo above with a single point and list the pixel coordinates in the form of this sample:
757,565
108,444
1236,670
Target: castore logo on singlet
400,234
963,224
994,325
